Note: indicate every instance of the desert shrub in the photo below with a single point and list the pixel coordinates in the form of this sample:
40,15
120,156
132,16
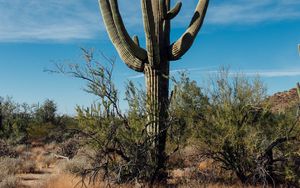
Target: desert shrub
9,166
77,166
10,181
122,154
69,148
39,131
28,166
47,160
21,123
48,126
14,118
124,151
7,150
187,108
241,133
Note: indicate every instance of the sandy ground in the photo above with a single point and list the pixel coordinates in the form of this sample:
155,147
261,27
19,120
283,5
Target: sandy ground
43,173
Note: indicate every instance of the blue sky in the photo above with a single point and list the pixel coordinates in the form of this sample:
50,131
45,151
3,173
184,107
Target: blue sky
250,36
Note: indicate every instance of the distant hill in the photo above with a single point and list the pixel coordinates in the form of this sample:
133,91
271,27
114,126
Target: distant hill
281,101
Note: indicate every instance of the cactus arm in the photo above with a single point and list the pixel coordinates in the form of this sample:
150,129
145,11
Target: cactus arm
123,34
183,44
167,23
163,4
174,12
129,59
136,40
149,27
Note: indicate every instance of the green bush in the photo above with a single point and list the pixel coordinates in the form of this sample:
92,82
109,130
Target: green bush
187,108
20,123
230,121
241,133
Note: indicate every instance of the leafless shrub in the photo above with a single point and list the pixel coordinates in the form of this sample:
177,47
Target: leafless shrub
69,148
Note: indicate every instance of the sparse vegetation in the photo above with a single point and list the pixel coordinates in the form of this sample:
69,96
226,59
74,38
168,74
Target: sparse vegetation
9,168
28,166
240,132
69,148
230,124
10,181
226,134
220,130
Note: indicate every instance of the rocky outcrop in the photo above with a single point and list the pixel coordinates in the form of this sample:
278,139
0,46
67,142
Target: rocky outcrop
281,101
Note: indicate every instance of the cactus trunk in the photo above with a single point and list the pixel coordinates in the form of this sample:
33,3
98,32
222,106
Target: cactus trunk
157,107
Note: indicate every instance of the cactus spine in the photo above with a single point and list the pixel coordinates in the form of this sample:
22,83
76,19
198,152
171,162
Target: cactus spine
154,60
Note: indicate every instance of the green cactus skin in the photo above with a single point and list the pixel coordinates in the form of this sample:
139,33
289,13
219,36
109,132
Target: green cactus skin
154,60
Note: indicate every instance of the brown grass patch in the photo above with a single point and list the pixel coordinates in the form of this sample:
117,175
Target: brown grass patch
67,181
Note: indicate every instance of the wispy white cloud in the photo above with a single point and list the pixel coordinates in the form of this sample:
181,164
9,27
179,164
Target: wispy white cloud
271,74
47,20
176,71
248,73
261,73
63,20
253,11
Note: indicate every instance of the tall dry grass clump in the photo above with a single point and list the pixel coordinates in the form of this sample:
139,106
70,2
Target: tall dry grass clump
9,167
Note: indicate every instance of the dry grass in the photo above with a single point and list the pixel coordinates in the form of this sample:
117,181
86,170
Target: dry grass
8,168
76,166
216,185
51,146
21,149
48,160
59,174
37,150
10,181
28,166
67,181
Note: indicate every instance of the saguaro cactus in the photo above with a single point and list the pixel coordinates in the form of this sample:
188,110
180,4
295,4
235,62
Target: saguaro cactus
154,60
